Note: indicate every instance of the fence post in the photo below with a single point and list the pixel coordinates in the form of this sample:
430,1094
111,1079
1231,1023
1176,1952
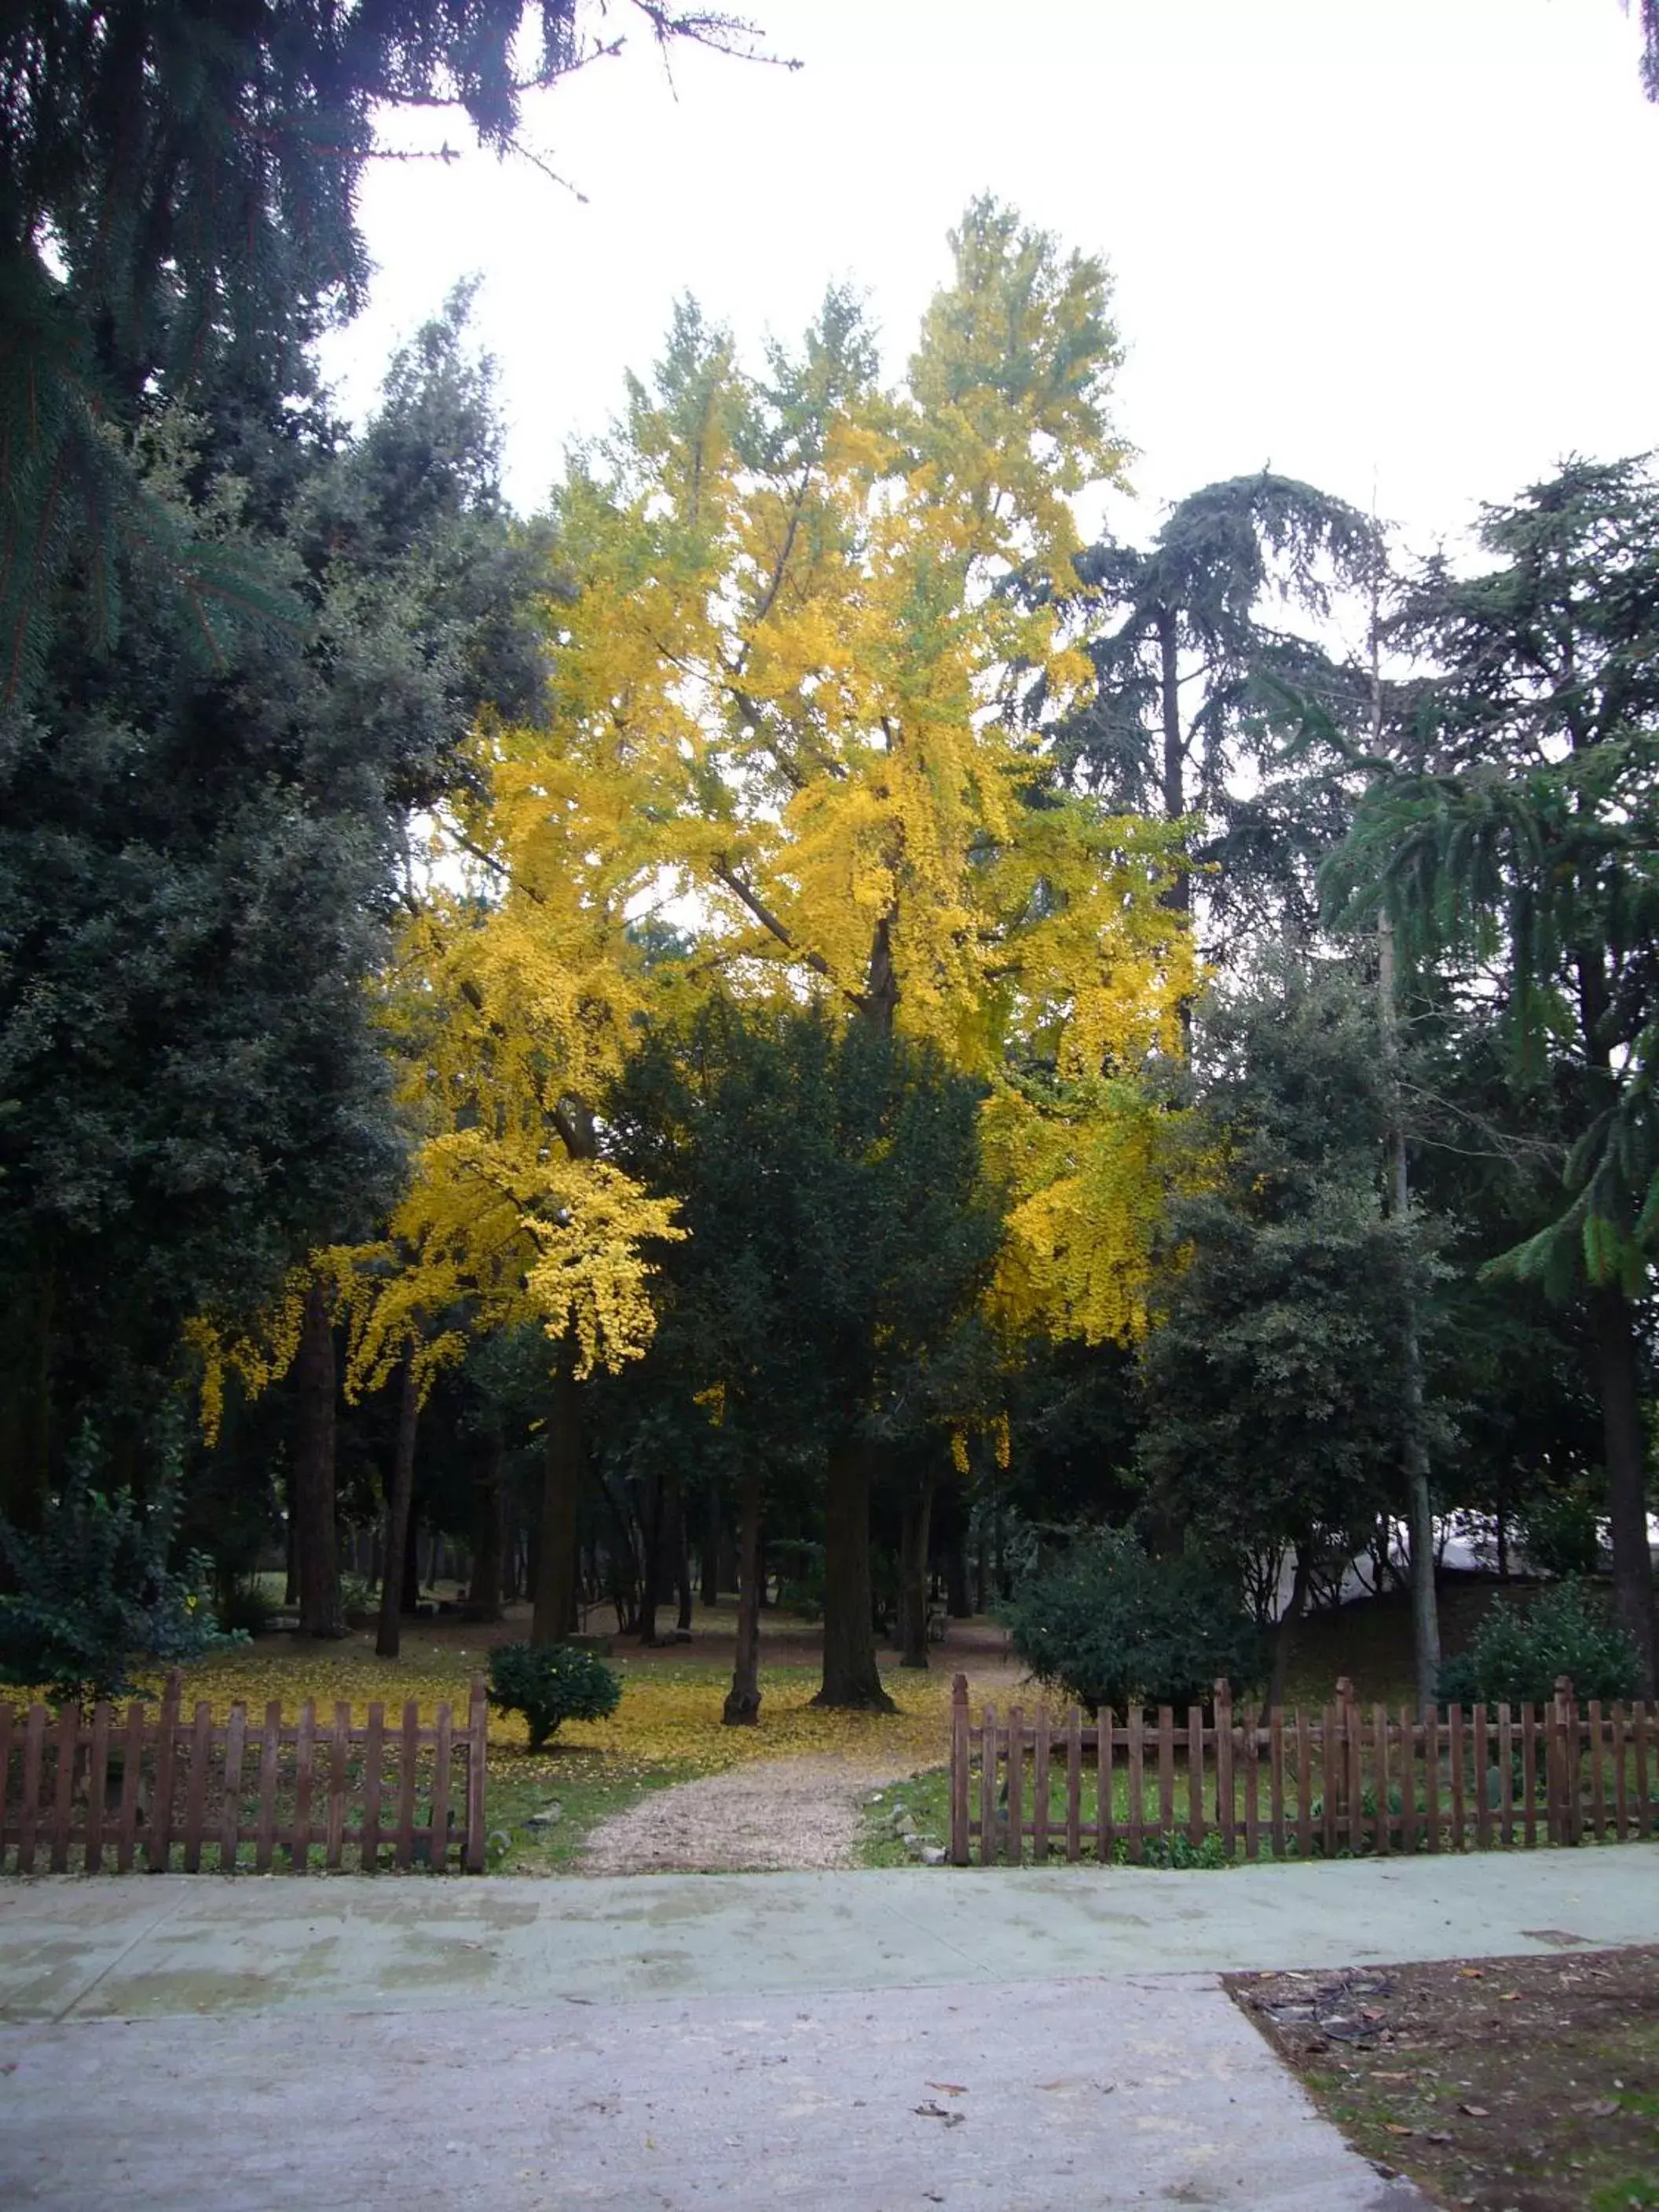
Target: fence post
959,1770
477,1729
1566,1732
1224,1765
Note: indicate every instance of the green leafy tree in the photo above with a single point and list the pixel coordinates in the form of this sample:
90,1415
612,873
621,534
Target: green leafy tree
93,1593
1271,1378
1511,831
841,1234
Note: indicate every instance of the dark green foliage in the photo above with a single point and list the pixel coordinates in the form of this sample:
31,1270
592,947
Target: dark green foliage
1110,1626
178,183
1559,1531
93,1593
1271,1379
1186,655
1518,1654
551,1683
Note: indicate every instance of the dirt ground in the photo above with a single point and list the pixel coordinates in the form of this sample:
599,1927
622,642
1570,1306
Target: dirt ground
1513,2085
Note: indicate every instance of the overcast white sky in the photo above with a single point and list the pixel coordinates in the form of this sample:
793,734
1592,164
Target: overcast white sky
1406,242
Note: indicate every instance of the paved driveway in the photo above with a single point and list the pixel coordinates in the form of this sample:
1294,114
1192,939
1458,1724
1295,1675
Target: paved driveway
871,2041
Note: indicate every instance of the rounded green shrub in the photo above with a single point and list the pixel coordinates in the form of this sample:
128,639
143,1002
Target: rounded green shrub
1517,1655
1109,1626
551,1683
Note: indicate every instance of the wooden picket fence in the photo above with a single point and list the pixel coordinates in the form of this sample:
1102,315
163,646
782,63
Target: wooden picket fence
1344,1780
117,1791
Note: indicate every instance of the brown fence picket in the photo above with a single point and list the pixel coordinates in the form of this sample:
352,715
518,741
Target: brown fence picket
1194,1775
339,1746
1431,1778
305,1754
132,1776
1598,1795
1644,1803
1354,1742
63,1795
1529,1776
1134,1757
1454,1730
1331,1775
1304,1784
230,1824
1482,1780
271,1747
369,1857
1407,1773
92,1847
158,1845
1226,1812
1276,1777
959,1748
1249,1744
1165,1771
988,1787
1014,1783
1380,1784
1620,1790
201,1756
438,1852
1505,1777
408,1767
34,1737
1105,1787
7,1834
1073,1781
1040,1790
477,1729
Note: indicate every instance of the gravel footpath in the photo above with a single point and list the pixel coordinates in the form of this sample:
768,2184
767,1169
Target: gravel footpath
768,1818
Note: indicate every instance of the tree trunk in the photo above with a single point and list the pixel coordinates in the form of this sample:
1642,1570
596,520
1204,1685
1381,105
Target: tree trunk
556,1620
851,1677
743,1700
484,1590
316,1540
957,1601
710,1561
651,1557
389,1630
291,1581
409,1574
913,1577
1627,1503
682,1561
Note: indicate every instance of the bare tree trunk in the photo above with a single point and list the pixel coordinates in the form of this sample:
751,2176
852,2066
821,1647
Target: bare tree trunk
555,1618
851,1676
913,1576
316,1541
389,1630
1621,1428
743,1700
651,1557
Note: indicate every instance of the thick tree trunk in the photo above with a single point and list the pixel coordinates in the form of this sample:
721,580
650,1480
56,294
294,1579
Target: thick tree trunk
484,1590
316,1540
1616,1377
291,1580
743,1700
913,1577
388,1633
555,1618
851,1677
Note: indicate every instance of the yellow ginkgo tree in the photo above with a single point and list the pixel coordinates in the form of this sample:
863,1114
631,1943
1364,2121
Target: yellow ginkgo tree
791,719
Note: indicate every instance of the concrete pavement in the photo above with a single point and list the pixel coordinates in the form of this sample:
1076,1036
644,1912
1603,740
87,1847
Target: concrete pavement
1002,2039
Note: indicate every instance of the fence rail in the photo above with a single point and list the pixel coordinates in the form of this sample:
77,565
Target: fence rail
112,1790
1347,1779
